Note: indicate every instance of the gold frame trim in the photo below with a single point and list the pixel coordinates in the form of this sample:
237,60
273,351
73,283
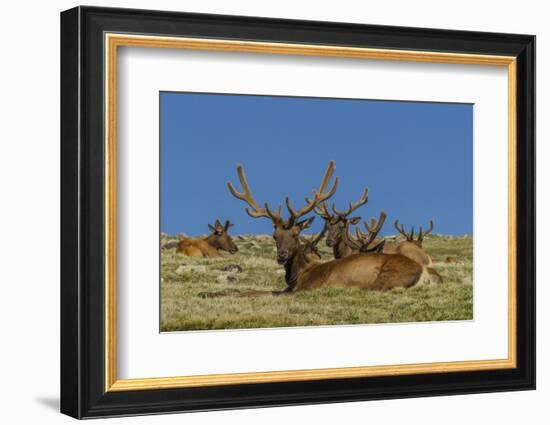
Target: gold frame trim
113,41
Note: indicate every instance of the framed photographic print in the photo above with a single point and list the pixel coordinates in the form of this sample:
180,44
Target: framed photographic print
261,212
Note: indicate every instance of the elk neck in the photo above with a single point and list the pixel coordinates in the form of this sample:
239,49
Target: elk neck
339,249
295,266
212,241
344,245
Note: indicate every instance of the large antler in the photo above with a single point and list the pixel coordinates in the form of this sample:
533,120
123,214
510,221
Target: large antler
408,236
246,195
422,235
352,207
319,196
365,239
322,210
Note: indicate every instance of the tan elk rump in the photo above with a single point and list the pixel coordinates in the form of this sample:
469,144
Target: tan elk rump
364,270
210,246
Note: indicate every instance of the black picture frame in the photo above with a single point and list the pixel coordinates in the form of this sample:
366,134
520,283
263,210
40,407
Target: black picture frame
82,212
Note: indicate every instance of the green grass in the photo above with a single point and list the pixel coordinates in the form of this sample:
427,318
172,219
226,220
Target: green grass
183,309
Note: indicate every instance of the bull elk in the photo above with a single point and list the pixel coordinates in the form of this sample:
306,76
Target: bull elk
411,247
303,273
338,223
210,246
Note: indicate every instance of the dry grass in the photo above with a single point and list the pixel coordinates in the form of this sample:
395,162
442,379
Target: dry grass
183,309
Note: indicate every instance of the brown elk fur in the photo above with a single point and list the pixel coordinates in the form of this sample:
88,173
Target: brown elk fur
409,249
210,246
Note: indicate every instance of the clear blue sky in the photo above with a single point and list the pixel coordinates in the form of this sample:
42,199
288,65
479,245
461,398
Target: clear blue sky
415,158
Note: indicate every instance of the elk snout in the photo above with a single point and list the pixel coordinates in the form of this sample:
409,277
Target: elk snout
331,242
282,256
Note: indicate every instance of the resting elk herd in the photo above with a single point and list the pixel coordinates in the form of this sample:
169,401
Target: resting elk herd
361,260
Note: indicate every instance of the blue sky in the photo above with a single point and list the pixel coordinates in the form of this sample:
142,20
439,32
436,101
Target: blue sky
415,158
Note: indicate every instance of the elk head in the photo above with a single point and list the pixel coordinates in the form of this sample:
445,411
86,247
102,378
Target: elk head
286,232
410,237
364,241
220,239
338,222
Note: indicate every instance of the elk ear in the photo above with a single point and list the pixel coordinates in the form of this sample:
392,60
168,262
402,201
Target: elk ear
212,229
304,224
354,220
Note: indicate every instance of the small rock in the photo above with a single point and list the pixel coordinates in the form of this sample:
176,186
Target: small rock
255,245
188,269
226,278
280,271
182,235
241,237
233,268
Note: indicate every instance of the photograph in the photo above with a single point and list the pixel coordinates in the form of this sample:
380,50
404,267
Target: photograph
282,211
263,210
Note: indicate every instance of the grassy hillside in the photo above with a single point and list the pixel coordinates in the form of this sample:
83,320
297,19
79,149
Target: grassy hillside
254,267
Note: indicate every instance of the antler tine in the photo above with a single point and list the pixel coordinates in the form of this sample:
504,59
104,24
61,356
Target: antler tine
374,228
352,207
360,235
289,207
320,236
246,195
430,228
326,179
411,235
322,210
274,216
362,240
319,196
376,225
400,230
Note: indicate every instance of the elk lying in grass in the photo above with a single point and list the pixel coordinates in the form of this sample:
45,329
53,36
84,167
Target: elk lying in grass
302,273
411,247
338,223
210,246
